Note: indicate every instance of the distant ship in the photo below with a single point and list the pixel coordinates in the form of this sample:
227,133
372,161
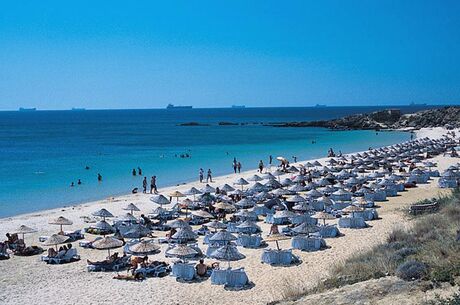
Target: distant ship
78,109
414,104
171,106
27,109
320,106
238,106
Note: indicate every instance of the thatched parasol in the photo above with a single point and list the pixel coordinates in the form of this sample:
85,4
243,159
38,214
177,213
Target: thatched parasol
61,221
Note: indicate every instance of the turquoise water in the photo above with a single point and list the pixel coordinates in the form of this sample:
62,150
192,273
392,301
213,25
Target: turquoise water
43,152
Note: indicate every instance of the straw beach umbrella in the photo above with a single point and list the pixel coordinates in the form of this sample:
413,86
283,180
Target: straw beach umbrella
107,243
241,182
227,253
23,229
193,191
144,247
177,195
160,199
223,236
56,239
224,206
202,214
216,225
182,251
324,216
131,207
61,221
103,213
276,238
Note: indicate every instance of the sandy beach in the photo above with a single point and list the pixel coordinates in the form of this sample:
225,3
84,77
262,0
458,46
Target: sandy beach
27,280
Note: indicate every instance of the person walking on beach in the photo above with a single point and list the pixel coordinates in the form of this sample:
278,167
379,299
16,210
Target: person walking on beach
99,177
144,185
238,165
261,166
153,185
201,175
295,159
209,177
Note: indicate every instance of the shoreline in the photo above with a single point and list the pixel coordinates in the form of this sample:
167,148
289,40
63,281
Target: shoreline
167,188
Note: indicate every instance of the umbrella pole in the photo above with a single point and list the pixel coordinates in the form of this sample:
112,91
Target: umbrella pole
277,245
109,252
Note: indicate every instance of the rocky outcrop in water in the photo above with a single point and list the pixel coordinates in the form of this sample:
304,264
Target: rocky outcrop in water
388,119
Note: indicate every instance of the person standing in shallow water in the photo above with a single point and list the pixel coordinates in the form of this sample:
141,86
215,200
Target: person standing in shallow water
153,185
270,160
99,177
238,165
261,166
134,172
144,185
201,175
235,165
209,177
139,171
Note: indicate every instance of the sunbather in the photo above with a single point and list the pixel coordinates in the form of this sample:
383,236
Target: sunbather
201,268
52,252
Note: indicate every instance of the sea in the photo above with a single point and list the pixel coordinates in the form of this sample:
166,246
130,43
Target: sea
43,152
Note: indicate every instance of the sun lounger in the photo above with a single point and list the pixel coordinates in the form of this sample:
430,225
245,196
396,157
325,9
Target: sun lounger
156,269
229,277
117,265
380,195
352,222
62,257
249,241
29,251
278,257
183,271
328,231
368,214
307,243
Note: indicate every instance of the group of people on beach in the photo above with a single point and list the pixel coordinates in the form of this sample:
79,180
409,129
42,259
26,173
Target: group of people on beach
236,166
208,176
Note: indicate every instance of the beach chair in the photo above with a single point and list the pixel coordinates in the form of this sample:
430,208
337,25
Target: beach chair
277,257
117,265
249,241
183,271
236,278
328,231
233,278
380,195
62,257
158,270
306,243
352,222
4,251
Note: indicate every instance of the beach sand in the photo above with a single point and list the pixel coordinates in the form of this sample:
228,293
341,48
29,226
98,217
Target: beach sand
26,280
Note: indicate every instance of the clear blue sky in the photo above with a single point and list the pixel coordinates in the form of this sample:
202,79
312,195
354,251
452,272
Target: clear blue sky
134,54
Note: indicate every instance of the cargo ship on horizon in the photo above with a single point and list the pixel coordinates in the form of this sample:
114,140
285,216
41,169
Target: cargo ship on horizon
171,106
21,109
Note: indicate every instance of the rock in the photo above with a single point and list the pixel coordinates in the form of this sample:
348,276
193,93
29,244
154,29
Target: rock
388,119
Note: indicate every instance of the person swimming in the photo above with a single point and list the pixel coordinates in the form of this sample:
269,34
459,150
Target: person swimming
79,182
72,184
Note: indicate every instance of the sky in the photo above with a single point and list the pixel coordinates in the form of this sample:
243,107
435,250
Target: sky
146,54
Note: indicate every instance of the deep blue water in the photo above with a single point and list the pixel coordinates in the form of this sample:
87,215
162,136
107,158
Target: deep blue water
42,152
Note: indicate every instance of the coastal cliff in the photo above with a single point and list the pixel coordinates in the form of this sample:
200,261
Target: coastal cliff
388,119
